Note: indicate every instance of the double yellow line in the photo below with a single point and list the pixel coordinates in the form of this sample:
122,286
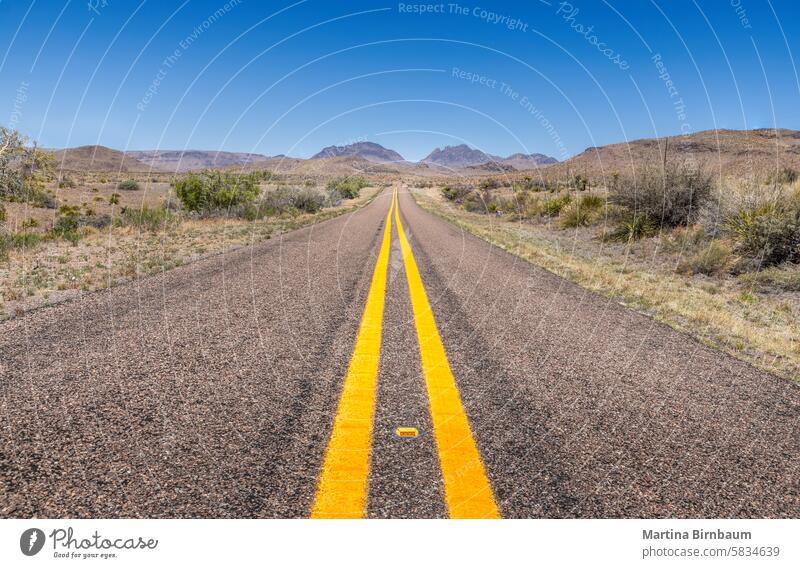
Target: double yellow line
344,481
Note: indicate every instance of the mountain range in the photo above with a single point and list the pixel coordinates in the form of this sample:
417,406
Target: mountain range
730,151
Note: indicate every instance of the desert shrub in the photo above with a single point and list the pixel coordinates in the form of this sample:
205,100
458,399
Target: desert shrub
211,191
24,170
2,213
711,259
129,185
633,228
307,200
29,223
668,198
333,198
348,186
66,183
784,278
455,193
113,199
683,239
579,182
151,219
582,212
786,175
552,207
489,183
276,201
766,235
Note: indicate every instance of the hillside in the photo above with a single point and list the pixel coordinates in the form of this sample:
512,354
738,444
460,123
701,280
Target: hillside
188,160
97,159
733,152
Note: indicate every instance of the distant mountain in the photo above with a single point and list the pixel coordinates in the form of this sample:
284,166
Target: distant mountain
187,160
367,150
528,161
459,156
463,156
97,159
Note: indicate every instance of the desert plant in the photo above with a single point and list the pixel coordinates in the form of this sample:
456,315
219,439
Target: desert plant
582,212
456,193
711,259
632,229
489,183
668,198
307,200
66,183
348,186
151,219
579,182
113,199
129,185
766,235
552,207
210,191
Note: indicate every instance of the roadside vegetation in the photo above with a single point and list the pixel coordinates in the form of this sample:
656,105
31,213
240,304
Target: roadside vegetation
716,258
61,232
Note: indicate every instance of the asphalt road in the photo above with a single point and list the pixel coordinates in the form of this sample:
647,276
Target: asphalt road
211,391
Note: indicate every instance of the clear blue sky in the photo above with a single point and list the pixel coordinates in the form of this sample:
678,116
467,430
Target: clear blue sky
278,77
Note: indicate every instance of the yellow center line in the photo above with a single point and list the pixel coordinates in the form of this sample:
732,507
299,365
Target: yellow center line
342,490
467,489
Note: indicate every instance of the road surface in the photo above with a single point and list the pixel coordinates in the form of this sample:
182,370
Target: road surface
270,381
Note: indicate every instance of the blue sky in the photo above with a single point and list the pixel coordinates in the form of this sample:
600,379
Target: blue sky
292,77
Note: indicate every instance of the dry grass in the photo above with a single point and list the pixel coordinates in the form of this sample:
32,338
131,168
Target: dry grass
55,270
722,311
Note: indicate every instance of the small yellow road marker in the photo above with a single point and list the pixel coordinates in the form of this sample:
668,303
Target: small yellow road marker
342,489
467,489
407,432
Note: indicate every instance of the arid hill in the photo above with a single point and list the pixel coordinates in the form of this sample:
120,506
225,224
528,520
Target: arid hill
97,159
188,160
730,152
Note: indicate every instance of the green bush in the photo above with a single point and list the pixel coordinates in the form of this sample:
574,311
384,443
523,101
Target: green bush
2,213
582,212
114,198
211,191
348,186
552,207
129,185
